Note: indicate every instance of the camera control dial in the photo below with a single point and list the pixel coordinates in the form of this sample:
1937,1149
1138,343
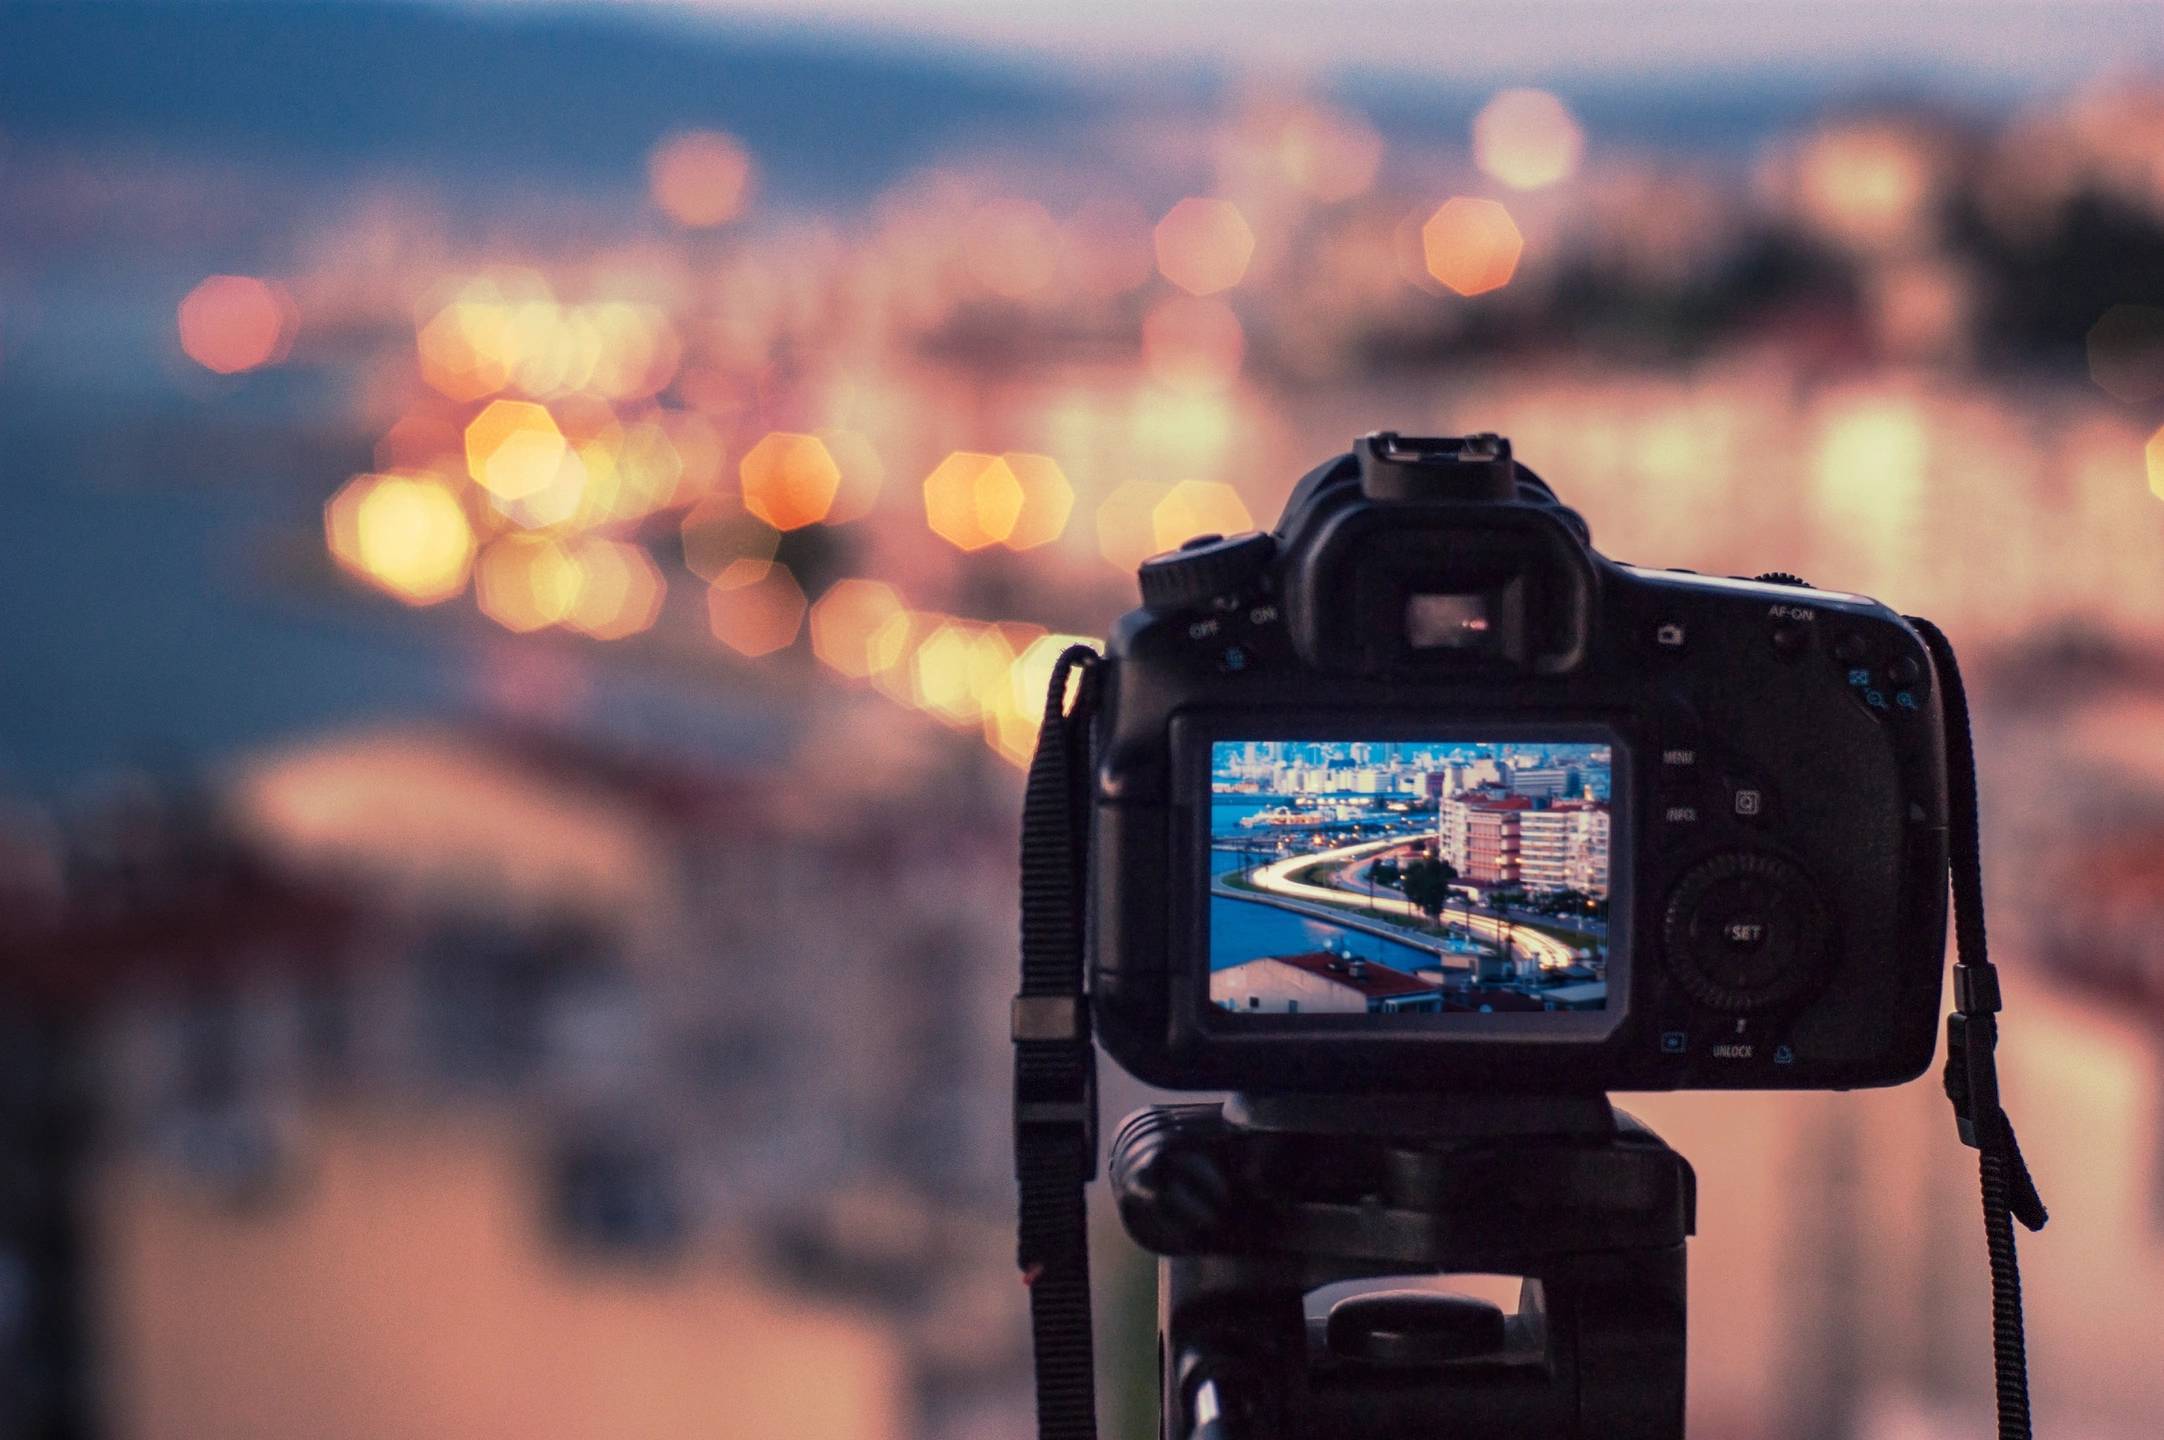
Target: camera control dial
1203,569
1745,932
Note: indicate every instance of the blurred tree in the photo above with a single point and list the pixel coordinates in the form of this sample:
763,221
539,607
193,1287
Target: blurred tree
2042,289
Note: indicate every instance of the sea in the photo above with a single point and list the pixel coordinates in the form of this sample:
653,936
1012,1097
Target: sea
1240,930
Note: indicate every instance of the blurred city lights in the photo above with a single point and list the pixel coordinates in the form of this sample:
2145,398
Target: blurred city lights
1871,476
758,618
526,582
1204,245
620,589
789,480
1031,675
721,536
420,442
1127,524
1106,250
861,471
972,500
1198,507
891,647
1869,184
1527,139
1012,247
2126,352
853,630
1047,500
462,349
1471,245
484,341
1329,154
645,471
2153,454
700,454
948,671
231,323
1010,727
1919,308
515,450
407,534
700,178
1193,343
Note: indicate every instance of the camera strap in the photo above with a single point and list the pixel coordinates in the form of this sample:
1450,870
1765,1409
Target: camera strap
1972,1037
1055,1060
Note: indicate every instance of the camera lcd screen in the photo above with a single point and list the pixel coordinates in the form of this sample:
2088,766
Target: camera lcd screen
1390,877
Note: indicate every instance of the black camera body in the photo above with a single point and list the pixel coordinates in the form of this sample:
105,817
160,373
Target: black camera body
1421,794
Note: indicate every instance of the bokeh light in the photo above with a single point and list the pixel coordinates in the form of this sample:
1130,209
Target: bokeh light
1204,245
760,617
514,449
508,332
1193,343
789,480
972,500
721,537
1047,500
1106,249
893,645
421,442
526,582
1868,184
231,323
620,589
962,673
1011,247
947,675
1011,724
1331,155
700,178
2153,454
644,472
861,471
463,349
1527,139
1127,523
407,534
853,630
1198,507
2126,353
1471,245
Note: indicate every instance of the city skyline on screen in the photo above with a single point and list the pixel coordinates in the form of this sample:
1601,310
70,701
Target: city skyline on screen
1409,877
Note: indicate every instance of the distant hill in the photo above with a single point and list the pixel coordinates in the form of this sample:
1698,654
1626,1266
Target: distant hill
512,91
580,93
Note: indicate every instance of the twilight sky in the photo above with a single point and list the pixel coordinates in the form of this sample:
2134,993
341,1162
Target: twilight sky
1987,43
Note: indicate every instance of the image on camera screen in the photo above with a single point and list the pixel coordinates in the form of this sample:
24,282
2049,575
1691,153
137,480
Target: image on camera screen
1408,877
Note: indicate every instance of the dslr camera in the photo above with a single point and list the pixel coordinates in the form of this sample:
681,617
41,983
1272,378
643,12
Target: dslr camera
1419,793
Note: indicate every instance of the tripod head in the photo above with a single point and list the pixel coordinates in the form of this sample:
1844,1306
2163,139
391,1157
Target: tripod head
1254,1205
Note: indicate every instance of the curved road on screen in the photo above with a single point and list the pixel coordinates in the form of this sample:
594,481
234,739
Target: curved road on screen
1273,882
